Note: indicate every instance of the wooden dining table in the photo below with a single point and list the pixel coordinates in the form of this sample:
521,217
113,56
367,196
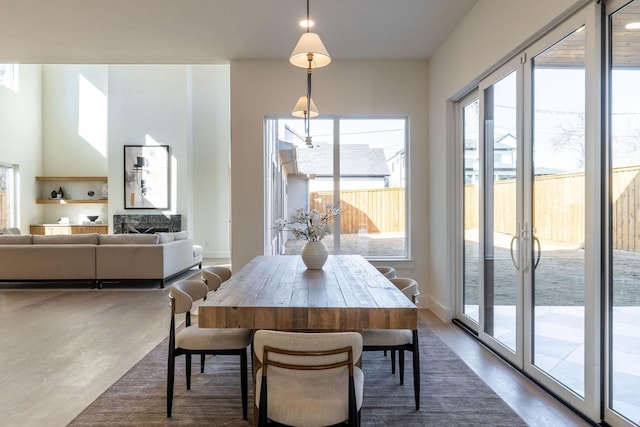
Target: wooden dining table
280,293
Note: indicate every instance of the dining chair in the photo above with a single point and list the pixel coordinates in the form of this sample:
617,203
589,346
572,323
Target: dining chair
388,272
215,275
398,339
194,340
308,379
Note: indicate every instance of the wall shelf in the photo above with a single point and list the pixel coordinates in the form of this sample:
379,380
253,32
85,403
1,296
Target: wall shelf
72,178
69,201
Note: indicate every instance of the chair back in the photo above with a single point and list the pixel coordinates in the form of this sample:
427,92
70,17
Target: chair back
184,292
388,272
215,275
302,345
408,286
307,358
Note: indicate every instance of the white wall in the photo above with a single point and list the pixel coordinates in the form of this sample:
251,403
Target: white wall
73,120
211,159
74,135
260,88
491,30
21,138
187,108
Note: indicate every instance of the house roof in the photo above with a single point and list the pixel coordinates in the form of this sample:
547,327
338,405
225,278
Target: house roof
356,160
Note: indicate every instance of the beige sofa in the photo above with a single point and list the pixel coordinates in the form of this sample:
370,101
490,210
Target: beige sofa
97,257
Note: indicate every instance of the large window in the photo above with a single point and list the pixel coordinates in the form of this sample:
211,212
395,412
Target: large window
358,164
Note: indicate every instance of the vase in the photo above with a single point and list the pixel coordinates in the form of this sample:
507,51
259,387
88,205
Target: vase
314,255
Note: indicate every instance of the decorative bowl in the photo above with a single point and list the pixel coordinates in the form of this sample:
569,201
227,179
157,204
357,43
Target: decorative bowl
92,218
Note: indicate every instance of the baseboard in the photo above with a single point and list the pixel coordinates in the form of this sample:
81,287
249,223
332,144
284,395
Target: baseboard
445,314
211,254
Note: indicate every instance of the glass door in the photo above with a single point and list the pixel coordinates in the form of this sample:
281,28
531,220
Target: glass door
533,240
556,267
623,367
501,227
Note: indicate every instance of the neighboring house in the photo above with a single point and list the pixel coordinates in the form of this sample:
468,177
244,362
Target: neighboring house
504,159
360,166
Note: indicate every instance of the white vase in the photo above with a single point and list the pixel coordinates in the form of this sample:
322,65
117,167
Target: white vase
314,255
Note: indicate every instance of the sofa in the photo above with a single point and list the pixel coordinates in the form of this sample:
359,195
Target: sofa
97,258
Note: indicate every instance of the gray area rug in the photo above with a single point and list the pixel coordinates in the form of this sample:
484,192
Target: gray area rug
452,395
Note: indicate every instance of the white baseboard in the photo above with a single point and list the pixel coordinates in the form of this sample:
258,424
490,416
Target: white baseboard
445,314
211,254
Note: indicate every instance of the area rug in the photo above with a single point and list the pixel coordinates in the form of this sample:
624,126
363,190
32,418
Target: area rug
452,395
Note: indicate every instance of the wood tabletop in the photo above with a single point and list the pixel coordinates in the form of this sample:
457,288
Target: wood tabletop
278,292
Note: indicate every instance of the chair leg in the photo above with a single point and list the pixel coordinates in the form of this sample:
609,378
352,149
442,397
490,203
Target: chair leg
170,379
401,361
243,382
393,361
202,363
416,369
188,370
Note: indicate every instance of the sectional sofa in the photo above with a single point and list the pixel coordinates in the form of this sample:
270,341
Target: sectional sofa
97,258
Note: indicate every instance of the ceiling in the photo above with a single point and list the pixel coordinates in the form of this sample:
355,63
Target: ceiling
217,31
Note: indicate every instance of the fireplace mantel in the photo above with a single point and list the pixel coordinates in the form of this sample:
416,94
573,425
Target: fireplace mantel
126,223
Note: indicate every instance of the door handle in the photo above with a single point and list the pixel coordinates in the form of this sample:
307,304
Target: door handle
516,264
539,254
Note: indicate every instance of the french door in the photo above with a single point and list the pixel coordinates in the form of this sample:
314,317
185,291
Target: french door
531,202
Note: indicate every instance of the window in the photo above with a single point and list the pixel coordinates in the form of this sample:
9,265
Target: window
7,197
359,164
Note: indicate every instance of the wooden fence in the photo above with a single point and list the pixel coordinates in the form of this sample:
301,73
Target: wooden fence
372,211
559,208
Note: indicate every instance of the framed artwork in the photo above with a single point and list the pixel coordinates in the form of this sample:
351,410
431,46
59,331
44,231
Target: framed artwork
146,177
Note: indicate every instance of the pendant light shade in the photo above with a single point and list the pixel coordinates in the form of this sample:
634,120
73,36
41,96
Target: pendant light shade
300,110
310,44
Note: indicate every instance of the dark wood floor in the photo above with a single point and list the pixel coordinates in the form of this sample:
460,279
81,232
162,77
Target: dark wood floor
62,348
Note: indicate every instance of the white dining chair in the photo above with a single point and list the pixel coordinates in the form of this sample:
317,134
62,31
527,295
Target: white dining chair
308,379
398,339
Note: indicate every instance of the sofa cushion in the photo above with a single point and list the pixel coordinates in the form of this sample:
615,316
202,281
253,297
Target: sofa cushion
15,239
128,239
181,235
165,237
66,239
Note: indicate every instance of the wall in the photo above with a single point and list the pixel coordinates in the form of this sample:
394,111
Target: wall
74,134
21,138
73,120
186,108
211,159
260,88
491,30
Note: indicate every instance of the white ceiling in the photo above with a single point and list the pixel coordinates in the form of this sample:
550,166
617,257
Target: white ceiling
217,31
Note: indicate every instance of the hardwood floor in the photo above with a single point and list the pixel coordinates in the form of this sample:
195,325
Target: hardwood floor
62,348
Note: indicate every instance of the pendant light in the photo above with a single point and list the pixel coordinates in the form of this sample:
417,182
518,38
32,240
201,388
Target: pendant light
308,53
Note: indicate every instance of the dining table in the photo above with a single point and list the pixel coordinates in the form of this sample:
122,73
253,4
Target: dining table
279,293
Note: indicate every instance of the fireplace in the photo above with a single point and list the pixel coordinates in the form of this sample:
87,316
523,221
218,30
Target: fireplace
146,223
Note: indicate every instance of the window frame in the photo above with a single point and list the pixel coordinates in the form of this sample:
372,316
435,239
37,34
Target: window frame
273,209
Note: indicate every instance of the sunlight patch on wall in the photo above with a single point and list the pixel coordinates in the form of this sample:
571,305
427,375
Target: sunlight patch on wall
92,115
9,76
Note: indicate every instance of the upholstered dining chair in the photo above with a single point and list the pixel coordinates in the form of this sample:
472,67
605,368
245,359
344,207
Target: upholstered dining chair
308,379
388,272
194,340
398,339
215,275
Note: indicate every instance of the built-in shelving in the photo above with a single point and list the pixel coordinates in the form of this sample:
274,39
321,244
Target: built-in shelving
71,179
